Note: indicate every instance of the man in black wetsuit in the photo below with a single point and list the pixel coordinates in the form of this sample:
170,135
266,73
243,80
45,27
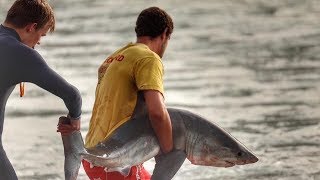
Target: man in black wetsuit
26,22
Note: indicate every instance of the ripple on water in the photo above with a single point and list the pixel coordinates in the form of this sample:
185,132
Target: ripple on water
250,65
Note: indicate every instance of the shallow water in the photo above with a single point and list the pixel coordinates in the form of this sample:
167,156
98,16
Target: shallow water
251,66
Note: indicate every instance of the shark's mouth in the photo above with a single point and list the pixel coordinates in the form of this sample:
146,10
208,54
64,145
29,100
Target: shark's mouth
229,164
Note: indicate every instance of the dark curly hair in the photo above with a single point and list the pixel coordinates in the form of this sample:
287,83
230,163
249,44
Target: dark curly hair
152,22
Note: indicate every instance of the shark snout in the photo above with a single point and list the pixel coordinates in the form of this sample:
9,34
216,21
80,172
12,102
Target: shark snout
250,160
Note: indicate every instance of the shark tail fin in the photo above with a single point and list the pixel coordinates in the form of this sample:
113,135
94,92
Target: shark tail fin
73,148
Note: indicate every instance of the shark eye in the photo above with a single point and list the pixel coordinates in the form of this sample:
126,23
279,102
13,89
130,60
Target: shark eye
239,153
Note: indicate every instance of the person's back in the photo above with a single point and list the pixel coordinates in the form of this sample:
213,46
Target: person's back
121,76
7,52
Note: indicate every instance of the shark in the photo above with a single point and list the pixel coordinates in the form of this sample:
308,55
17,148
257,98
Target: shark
195,138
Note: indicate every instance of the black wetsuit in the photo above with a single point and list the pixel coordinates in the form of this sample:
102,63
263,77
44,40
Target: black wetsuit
20,63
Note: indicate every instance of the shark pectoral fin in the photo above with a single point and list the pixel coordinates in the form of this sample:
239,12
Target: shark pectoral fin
168,164
123,171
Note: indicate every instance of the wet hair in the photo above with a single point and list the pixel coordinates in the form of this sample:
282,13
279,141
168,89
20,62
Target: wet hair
152,22
23,12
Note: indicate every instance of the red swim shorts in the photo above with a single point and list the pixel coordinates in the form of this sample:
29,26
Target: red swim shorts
94,173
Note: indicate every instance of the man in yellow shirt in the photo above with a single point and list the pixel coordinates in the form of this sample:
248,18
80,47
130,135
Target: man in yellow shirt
133,68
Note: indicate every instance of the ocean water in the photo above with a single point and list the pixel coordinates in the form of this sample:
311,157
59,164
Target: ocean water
251,66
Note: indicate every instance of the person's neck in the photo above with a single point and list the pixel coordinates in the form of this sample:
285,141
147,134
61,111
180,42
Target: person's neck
7,25
18,30
152,43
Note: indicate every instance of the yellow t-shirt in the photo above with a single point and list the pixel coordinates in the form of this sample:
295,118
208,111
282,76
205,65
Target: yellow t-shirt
130,69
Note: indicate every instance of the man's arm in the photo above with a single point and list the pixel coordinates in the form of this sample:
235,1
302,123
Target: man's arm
34,69
160,119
